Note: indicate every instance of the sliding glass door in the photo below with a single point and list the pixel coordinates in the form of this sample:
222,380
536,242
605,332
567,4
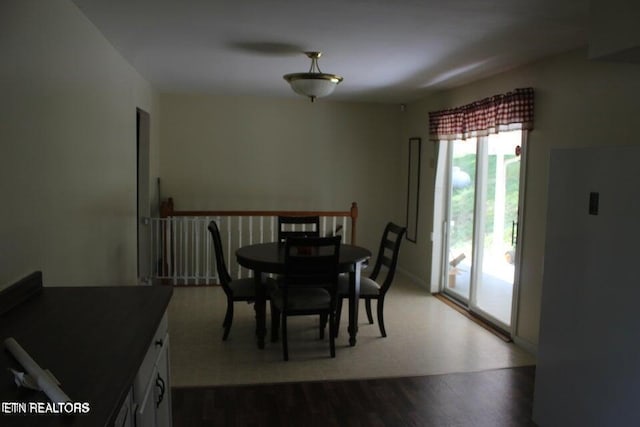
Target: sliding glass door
482,220
462,193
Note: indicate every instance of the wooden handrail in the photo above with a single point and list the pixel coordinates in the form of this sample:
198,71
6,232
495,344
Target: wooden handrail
167,210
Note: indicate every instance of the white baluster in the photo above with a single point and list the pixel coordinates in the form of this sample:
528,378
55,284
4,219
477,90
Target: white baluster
205,248
273,220
187,262
183,261
261,229
179,252
196,247
188,248
344,229
174,261
202,226
167,247
177,241
210,256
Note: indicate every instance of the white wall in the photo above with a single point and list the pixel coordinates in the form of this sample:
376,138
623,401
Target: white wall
67,148
577,103
255,153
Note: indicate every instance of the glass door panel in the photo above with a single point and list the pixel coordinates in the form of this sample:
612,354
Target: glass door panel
499,212
482,224
460,218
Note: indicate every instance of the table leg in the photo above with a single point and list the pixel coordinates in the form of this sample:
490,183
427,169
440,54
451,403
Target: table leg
354,298
260,308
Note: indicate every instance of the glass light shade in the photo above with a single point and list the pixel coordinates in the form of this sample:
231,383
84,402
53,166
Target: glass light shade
313,85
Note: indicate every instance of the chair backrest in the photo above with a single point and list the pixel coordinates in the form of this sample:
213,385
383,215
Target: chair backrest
388,254
302,221
223,274
312,261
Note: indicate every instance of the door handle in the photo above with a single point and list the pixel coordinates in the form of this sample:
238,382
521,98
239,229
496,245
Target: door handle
162,386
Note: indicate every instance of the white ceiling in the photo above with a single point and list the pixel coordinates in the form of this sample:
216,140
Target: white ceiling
386,50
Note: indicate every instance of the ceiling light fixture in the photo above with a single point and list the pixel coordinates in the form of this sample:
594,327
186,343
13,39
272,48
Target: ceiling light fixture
315,83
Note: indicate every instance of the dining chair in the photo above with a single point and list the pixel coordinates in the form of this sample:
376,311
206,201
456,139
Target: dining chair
371,288
287,226
309,285
235,290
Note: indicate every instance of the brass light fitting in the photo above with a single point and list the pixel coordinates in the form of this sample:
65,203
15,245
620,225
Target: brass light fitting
314,83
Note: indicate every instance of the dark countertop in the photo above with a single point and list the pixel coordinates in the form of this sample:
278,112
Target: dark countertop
93,339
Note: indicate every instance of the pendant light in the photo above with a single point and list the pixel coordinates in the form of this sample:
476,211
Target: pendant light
314,83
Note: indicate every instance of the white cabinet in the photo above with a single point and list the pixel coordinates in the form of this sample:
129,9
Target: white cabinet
149,402
125,416
163,388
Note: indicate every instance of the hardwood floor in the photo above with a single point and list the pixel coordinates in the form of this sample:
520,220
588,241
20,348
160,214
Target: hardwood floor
501,397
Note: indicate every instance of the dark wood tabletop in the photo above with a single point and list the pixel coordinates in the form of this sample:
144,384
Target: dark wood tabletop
93,339
269,257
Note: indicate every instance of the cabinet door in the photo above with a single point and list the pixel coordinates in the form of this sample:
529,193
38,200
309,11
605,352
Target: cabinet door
146,408
163,388
125,415
152,386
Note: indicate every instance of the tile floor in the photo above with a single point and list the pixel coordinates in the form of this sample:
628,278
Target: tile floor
425,337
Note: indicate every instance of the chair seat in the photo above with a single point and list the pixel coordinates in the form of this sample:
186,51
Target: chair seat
303,299
368,287
243,288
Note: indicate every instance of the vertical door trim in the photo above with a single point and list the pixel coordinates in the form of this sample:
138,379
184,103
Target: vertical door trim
143,202
480,198
515,298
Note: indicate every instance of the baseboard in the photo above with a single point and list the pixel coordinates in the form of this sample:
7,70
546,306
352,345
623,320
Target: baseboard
414,278
528,346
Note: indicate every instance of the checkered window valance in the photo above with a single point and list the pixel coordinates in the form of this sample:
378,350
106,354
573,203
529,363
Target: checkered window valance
499,113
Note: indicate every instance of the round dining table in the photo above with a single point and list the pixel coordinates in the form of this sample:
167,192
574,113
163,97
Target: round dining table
269,258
